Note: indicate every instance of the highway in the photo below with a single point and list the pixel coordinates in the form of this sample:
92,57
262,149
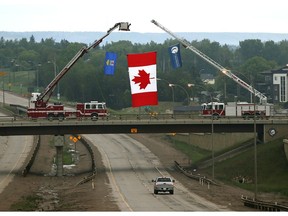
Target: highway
13,99
130,167
12,155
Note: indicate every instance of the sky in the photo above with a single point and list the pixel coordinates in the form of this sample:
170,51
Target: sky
176,15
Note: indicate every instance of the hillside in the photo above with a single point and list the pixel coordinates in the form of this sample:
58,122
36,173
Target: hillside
272,175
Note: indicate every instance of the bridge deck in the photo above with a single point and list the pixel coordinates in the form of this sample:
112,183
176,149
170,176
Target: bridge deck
133,124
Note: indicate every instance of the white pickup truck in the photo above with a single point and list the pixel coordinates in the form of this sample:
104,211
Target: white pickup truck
163,184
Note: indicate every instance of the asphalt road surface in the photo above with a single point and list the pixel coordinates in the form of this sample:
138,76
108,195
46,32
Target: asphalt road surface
131,168
13,149
13,152
13,99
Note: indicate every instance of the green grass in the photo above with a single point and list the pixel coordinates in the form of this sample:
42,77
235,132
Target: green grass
28,203
272,166
194,153
67,156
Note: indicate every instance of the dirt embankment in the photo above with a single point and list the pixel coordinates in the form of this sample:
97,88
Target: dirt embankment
49,193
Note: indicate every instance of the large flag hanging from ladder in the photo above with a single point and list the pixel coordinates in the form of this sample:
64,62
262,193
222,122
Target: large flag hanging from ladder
143,79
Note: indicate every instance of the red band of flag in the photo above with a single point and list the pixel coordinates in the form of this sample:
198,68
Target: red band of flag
142,59
144,99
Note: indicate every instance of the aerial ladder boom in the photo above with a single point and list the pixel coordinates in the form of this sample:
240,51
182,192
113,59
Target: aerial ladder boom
187,45
122,26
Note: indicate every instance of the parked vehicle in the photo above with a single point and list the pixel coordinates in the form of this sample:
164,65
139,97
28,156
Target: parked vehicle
236,109
92,110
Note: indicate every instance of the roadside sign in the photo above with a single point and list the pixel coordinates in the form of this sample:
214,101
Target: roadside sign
75,139
133,130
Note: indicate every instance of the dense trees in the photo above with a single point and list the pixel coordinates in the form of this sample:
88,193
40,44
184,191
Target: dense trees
86,80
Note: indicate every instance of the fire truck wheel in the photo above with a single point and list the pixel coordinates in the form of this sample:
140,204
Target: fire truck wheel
215,116
94,116
50,117
60,117
246,116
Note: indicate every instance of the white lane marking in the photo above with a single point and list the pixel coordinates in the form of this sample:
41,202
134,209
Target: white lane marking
113,178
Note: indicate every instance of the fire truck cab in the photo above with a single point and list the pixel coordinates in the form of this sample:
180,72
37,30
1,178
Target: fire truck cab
93,109
214,109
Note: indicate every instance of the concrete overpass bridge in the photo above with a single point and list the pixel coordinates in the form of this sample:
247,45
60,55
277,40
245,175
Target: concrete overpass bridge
266,129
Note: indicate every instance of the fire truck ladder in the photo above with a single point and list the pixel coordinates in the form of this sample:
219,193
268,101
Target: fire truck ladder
123,26
187,45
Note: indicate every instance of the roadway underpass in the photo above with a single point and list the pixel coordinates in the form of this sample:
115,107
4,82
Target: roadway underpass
12,126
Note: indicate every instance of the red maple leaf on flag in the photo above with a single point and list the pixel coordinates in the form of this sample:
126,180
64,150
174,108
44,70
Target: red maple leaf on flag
143,79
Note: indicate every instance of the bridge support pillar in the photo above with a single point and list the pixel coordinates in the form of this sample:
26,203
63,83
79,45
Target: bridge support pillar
59,143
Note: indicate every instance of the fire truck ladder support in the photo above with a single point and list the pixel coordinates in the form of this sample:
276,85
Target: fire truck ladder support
123,26
187,45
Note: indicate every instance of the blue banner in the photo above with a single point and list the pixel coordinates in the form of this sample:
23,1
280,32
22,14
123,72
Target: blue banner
110,63
175,56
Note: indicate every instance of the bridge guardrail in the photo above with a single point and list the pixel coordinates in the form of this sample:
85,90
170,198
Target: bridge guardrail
148,117
263,206
201,179
90,150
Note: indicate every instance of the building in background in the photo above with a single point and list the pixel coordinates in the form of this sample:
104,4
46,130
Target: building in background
277,85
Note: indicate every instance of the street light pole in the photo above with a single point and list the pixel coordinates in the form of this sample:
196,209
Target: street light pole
188,97
212,140
255,149
254,136
173,97
3,89
55,74
58,86
212,129
169,86
37,78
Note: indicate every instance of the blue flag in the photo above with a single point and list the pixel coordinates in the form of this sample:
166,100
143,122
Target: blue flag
175,56
110,63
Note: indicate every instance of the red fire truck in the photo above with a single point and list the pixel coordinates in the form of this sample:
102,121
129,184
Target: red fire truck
236,109
93,109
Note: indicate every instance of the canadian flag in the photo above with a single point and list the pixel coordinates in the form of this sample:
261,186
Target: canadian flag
143,80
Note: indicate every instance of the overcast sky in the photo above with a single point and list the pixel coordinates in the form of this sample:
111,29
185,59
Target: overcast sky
177,15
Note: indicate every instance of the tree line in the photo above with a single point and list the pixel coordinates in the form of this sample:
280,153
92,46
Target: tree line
86,80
